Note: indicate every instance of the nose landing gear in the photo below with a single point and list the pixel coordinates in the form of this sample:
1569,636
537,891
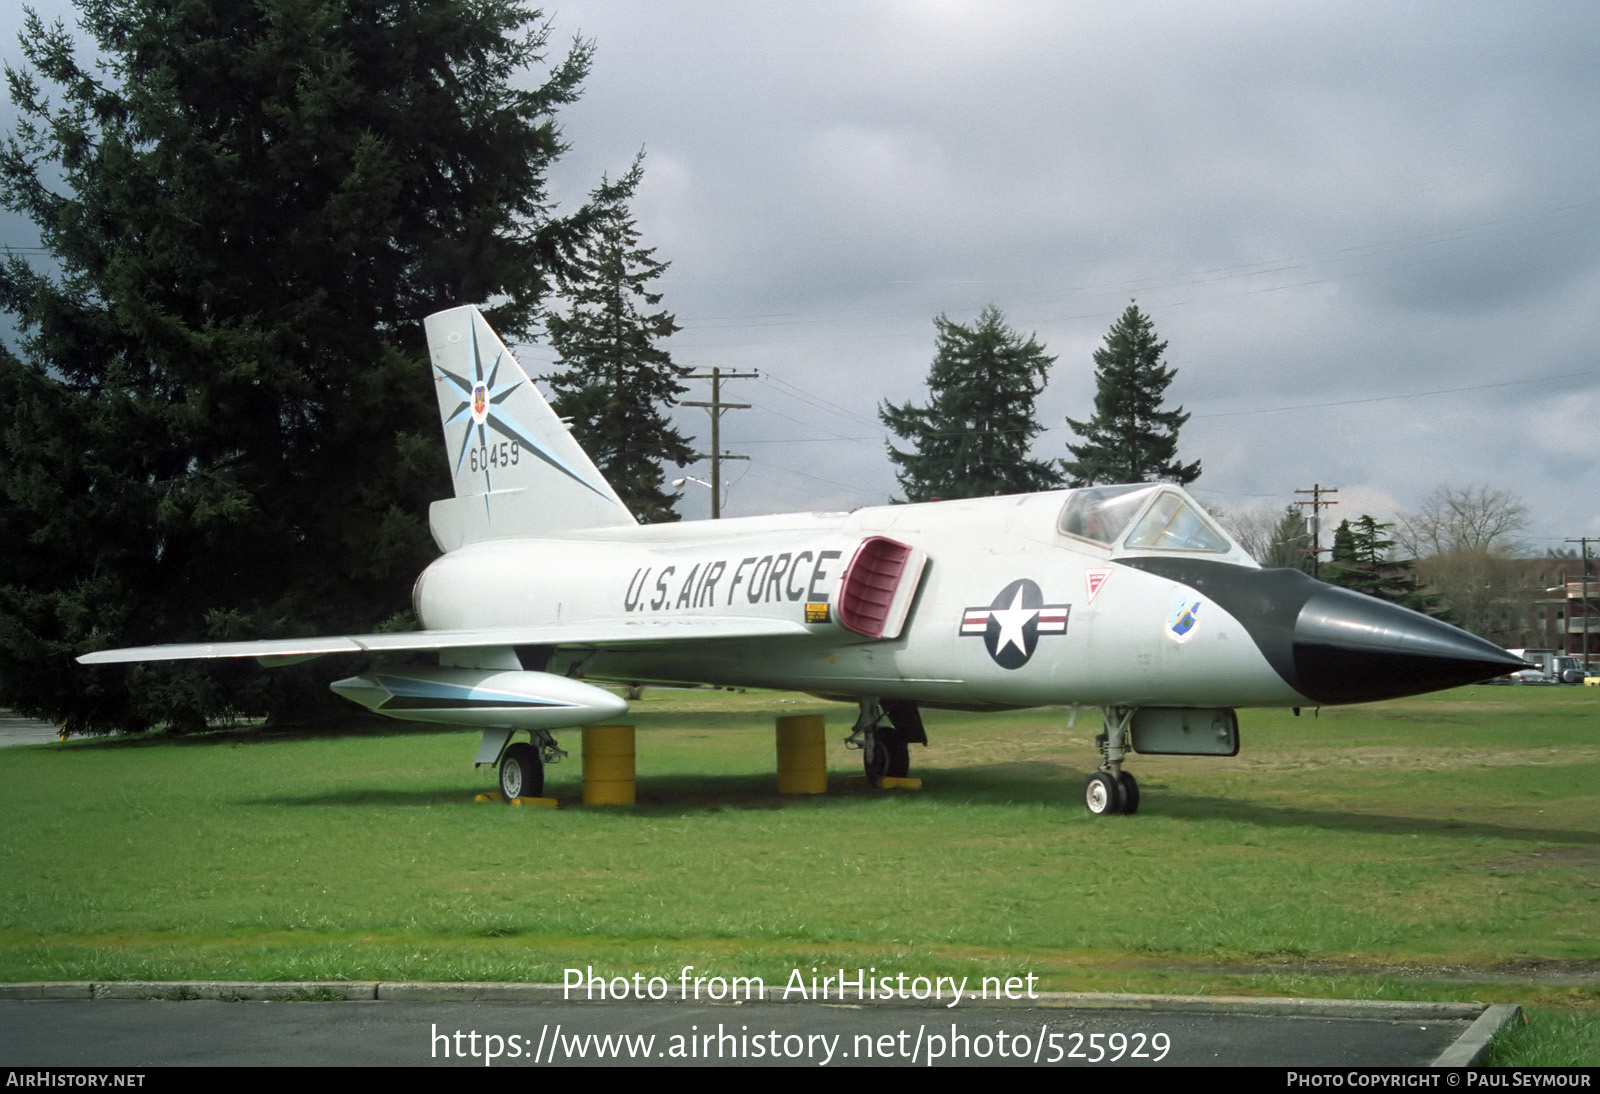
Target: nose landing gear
1111,789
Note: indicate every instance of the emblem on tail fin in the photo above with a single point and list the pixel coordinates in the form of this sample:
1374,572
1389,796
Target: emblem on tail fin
505,443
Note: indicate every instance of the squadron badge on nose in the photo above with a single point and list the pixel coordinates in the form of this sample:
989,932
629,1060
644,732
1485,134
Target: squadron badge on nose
1012,624
1182,619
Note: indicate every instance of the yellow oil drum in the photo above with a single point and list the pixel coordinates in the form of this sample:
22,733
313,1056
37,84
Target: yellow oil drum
608,765
802,755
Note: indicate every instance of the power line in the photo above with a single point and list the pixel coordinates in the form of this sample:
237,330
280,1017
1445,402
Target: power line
1405,395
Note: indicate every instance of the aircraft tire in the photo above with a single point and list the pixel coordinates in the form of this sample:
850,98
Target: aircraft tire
889,757
875,762
1101,795
521,773
897,760
1130,794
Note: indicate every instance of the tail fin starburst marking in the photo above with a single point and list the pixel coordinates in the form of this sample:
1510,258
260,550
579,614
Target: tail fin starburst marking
482,398
505,445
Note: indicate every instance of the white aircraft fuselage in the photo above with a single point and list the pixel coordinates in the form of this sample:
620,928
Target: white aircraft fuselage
1104,640
1128,598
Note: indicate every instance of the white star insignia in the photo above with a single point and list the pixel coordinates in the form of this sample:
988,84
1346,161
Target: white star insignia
1011,621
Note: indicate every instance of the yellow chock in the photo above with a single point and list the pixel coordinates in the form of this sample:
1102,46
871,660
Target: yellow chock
888,782
802,754
494,796
608,765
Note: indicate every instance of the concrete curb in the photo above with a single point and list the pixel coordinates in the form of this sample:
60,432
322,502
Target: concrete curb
452,992
1472,1047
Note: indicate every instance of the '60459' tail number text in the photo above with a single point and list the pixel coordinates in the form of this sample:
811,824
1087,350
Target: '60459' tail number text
504,454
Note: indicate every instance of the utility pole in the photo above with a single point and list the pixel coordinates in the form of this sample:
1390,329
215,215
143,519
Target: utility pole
717,406
1317,505
1585,541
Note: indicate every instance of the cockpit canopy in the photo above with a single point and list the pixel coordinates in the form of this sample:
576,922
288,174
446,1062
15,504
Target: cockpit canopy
1142,517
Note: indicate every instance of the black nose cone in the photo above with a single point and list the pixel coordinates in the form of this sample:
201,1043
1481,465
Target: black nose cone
1336,646
1351,648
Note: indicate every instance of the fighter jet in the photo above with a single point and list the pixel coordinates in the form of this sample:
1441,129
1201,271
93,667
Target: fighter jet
1127,598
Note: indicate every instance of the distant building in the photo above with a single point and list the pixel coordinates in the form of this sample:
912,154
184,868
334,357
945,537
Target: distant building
1551,614
1583,619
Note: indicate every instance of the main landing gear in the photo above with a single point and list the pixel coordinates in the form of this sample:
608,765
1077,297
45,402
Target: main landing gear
522,766
1111,789
886,749
521,773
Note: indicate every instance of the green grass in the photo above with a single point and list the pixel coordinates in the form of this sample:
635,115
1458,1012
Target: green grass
1437,848
1549,1039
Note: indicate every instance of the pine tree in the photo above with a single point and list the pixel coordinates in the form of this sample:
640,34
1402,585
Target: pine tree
1130,438
1342,554
1360,560
973,438
617,381
1291,545
219,422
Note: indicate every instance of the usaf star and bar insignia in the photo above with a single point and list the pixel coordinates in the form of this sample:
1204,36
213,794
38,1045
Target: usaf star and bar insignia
1012,625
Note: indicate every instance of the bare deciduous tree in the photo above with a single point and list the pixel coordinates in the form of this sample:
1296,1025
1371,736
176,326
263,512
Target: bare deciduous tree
1482,592
1468,518
1464,539
1250,526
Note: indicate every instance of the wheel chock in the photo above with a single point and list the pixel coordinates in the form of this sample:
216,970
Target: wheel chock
888,782
536,803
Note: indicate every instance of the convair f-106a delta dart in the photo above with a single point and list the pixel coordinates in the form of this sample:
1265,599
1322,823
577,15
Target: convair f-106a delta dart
1128,598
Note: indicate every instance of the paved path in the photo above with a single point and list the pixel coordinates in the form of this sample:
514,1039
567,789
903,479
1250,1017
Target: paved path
15,730
444,1025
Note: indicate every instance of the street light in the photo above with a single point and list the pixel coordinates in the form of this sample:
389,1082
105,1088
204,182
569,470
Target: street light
716,508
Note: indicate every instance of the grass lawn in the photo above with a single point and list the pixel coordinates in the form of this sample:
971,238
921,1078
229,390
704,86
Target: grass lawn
1446,847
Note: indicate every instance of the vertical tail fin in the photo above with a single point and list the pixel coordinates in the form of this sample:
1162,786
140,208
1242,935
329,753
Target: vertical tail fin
517,470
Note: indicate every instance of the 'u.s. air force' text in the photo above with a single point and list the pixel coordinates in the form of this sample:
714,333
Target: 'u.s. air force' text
758,579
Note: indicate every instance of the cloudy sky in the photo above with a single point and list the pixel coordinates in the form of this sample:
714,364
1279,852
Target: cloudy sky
1368,231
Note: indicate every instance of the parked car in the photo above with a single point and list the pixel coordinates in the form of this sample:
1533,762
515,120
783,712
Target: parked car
1565,670
1544,667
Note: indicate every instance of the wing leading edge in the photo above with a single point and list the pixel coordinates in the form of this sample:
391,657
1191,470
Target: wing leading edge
619,633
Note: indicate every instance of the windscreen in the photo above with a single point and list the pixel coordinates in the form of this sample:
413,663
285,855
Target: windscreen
1170,522
1100,514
